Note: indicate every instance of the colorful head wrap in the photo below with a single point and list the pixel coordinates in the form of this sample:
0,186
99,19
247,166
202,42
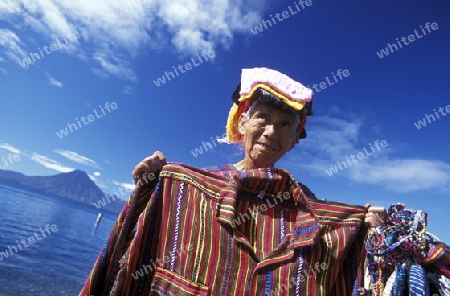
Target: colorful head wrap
268,86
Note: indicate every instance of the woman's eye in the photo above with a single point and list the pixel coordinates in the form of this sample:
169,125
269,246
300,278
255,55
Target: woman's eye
286,124
263,116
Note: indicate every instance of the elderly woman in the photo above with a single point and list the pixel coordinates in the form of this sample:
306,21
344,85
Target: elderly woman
267,126
238,229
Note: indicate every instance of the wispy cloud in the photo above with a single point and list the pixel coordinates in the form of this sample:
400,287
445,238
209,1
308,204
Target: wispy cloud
97,181
128,186
115,65
50,163
102,186
54,82
332,139
9,148
73,156
128,90
1,69
404,175
128,27
11,43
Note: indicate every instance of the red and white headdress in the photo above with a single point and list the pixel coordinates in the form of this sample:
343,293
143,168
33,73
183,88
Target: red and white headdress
280,88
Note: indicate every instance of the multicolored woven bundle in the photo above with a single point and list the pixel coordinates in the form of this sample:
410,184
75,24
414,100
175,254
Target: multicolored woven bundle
404,259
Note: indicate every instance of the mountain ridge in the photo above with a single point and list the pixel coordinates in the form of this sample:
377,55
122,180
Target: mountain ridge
75,185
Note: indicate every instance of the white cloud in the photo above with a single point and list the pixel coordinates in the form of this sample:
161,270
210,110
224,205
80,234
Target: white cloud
128,90
404,175
11,44
115,32
8,7
50,163
128,186
54,82
3,70
73,156
333,140
333,136
9,148
102,186
96,181
114,65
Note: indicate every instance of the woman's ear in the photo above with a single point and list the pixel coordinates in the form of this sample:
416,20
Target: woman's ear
241,124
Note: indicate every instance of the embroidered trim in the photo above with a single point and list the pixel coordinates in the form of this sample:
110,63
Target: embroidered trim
282,232
177,227
202,237
299,273
223,290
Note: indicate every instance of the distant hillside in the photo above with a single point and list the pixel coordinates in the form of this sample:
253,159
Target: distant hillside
75,185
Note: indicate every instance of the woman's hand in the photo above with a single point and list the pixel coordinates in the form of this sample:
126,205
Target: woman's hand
146,169
376,216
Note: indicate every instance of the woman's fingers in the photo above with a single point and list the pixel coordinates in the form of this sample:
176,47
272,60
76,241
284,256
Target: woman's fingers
140,169
375,216
149,165
373,220
381,211
145,166
160,157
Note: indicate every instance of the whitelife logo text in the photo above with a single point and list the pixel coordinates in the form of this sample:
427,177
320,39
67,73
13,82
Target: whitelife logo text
343,165
423,122
188,66
90,118
411,38
31,240
53,47
281,16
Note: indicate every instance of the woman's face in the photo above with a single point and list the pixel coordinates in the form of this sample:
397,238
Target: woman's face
268,135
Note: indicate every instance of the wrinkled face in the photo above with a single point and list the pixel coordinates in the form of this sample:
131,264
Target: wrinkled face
268,134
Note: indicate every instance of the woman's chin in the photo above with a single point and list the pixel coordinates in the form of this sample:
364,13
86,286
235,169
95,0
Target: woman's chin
264,161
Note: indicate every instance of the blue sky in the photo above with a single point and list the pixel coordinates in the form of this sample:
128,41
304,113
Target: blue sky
124,46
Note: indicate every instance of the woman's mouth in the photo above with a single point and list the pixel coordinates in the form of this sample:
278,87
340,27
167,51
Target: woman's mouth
266,147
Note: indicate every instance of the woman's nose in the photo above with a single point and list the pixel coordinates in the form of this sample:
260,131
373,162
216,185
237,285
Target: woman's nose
269,130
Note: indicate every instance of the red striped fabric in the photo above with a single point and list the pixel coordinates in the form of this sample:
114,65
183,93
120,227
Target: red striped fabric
254,233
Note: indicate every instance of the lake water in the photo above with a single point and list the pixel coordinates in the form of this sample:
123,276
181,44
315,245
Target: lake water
57,264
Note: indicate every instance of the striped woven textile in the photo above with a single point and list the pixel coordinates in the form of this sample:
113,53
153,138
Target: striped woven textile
400,285
228,170
192,232
418,285
390,284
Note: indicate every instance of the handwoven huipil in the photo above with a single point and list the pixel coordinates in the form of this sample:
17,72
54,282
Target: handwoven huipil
193,232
